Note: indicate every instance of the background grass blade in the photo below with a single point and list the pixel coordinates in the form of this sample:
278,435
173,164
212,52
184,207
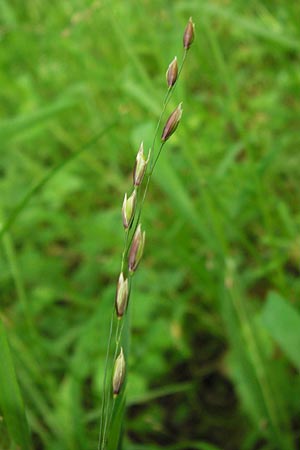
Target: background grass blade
11,400
258,387
49,175
282,321
16,127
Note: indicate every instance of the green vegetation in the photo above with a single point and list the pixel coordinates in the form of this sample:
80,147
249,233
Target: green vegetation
215,312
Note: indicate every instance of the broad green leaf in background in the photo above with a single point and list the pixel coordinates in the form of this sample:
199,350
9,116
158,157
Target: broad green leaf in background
283,323
10,396
17,126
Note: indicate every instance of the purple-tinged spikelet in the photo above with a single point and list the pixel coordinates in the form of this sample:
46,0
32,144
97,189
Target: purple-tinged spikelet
128,209
140,166
136,249
119,373
172,123
121,295
172,73
188,35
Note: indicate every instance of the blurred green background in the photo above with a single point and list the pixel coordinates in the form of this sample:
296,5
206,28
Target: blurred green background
215,304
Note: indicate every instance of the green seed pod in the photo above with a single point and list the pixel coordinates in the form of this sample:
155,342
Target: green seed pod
140,166
121,295
172,73
188,35
119,373
136,249
172,123
128,209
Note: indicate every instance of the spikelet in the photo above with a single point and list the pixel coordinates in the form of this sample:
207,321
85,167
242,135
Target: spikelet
119,373
188,35
172,73
121,295
128,209
140,166
136,249
172,123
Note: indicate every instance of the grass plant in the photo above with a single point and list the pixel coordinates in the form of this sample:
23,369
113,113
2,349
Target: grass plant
214,329
114,386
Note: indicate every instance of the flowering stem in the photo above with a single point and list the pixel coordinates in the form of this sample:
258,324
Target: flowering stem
133,246
118,336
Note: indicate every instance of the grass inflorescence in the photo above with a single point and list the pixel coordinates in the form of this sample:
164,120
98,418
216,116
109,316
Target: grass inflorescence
134,242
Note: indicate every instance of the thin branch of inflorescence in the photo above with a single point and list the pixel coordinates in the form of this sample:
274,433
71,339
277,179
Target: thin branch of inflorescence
134,240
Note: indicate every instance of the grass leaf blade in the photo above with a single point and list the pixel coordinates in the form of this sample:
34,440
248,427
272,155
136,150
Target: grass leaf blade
49,175
10,396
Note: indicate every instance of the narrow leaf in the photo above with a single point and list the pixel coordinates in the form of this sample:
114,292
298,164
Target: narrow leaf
10,396
47,177
15,127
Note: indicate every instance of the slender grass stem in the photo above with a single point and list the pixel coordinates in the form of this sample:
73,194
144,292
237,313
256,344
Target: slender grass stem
104,423
118,341
107,413
166,100
124,250
108,404
105,380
